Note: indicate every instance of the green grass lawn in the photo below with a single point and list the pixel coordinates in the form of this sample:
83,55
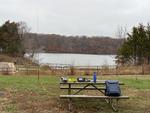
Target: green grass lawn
25,94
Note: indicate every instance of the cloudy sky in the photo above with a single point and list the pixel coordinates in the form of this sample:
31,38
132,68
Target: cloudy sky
76,17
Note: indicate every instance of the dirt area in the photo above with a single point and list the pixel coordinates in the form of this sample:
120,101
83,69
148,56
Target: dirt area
30,102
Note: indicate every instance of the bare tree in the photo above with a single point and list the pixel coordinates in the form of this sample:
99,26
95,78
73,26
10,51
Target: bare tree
121,32
23,29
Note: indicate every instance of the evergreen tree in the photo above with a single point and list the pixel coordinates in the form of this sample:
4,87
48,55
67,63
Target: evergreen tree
10,38
136,48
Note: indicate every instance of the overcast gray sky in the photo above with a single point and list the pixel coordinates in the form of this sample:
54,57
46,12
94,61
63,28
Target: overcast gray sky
76,17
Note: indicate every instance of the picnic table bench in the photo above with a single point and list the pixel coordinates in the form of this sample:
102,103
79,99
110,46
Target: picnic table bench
97,86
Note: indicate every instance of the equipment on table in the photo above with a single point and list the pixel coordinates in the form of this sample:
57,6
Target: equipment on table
94,77
72,80
87,80
112,88
81,79
64,79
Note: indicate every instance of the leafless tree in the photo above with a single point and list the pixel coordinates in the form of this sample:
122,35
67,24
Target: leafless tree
121,32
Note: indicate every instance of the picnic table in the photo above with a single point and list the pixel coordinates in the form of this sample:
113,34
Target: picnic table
74,88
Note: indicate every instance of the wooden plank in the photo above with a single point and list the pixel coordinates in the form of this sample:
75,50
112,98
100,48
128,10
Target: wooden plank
82,83
99,82
88,88
95,97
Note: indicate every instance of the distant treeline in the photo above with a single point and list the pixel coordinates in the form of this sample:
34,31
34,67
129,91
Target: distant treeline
52,43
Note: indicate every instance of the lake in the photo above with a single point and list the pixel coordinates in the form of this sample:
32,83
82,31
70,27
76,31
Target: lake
74,59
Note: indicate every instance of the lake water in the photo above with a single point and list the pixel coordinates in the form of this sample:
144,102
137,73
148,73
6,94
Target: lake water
75,59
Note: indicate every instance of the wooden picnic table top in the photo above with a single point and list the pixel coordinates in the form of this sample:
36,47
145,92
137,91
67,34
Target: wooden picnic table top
98,82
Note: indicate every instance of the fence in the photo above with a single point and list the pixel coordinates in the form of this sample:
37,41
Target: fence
82,70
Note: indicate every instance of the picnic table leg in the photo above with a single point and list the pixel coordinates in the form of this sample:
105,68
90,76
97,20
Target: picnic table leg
115,105
70,104
69,89
81,89
108,101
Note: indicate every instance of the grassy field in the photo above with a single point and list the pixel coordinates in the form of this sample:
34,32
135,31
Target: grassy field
25,94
